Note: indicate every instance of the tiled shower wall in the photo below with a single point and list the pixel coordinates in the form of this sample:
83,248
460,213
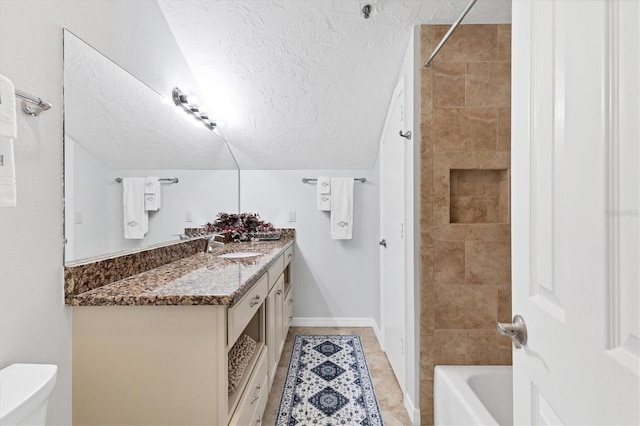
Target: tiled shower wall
465,220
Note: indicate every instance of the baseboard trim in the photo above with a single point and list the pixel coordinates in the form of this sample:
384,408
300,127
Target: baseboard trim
412,411
332,322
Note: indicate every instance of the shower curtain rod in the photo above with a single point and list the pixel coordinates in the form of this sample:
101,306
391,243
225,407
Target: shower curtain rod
466,10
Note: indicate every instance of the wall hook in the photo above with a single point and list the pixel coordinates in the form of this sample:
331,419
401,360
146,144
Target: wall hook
406,135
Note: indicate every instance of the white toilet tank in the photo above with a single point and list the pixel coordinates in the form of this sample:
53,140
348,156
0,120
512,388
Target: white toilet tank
24,391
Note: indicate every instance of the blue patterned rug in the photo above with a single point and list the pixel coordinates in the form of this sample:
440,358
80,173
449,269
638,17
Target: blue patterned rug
328,384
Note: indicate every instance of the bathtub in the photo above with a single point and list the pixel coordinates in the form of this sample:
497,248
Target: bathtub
473,395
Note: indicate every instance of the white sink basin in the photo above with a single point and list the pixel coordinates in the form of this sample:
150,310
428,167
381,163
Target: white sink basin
239,255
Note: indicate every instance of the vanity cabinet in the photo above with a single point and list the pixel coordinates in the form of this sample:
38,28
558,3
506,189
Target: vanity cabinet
168,365
279,310
274,325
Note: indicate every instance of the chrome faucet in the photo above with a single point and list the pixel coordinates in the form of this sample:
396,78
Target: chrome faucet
211,242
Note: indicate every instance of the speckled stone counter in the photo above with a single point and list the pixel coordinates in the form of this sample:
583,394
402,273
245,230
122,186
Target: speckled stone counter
200,279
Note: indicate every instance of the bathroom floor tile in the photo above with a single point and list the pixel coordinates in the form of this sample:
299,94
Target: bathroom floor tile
387,388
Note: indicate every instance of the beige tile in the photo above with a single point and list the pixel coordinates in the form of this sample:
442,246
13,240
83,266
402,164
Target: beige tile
426,235
469,210
488,263
452,307
427,308
504,42
426,181
464,129
502,351
504,201
481,306
426,92
504,303
464,307
366,334
448,262
426,402
466,231
426,356
503,233
487,160
488,84
481,346
480,128
450,347
440,211
495,214
426,137
427,41
480,187
469,43
486,347
449,129
448,84
443,162
426,213
504,129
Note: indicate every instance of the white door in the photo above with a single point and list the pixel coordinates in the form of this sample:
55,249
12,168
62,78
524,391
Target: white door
575,193
392,254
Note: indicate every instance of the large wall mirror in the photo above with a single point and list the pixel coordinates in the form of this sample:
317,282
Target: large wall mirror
117,127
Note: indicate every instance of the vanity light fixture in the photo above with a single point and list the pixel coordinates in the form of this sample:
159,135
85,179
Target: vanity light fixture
180,99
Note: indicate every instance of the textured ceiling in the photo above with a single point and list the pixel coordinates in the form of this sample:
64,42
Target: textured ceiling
304,84
126,125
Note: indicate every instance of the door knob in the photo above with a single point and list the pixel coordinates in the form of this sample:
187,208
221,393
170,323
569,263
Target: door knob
383,243
516,331
406,135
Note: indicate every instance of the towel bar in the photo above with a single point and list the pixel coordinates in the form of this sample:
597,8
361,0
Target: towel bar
38,104
170,180
307,180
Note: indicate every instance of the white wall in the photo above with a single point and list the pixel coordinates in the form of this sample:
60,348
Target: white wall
35,326
89,205
336,281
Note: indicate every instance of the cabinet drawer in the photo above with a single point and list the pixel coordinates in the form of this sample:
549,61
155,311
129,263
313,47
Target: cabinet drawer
256,391
261,404
239,315
276,270
288,255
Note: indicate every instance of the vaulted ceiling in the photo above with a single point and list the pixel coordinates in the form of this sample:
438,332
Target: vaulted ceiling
304,84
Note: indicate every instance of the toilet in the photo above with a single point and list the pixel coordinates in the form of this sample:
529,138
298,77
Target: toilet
24,391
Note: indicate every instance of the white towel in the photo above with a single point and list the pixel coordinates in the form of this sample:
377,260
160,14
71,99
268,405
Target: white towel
341,208
8,132
136,219
152,194
323,191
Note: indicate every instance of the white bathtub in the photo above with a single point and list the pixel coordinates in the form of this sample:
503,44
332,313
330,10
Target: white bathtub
473,395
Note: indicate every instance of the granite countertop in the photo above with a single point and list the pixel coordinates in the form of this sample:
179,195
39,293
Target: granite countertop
201,279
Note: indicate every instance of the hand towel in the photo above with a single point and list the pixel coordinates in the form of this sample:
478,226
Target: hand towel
323,190
152,194
341,208
8,132
136,219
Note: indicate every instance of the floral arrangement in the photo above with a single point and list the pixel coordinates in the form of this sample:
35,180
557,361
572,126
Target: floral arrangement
241,227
